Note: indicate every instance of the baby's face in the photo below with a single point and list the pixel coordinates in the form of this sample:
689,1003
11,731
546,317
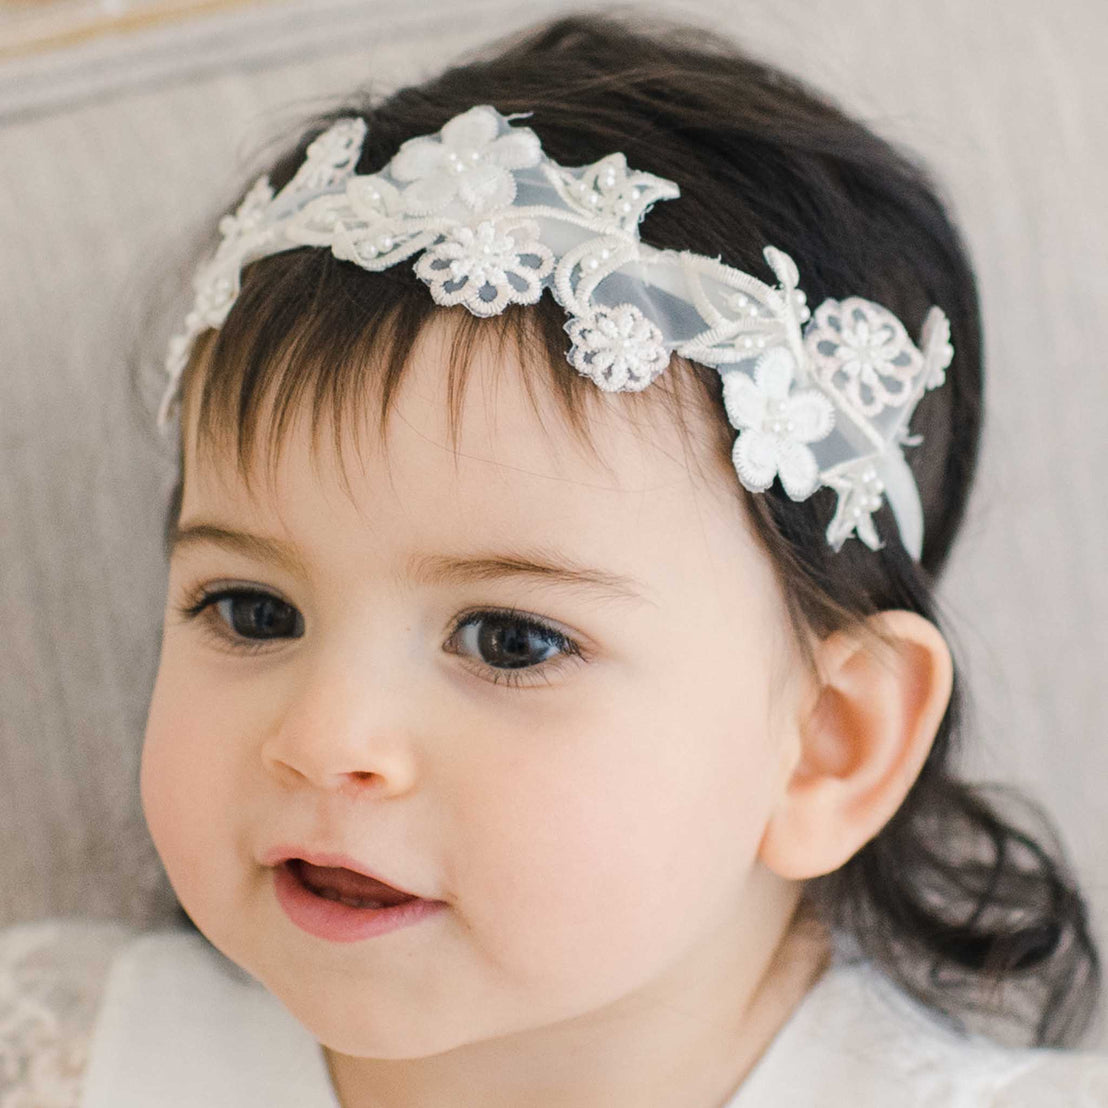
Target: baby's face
592,827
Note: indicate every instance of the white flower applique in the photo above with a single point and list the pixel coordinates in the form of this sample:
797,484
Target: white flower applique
216,282
364,224
858,345
331,157
473,161
618,348
935,343
775,425
861,491
486,267
608,190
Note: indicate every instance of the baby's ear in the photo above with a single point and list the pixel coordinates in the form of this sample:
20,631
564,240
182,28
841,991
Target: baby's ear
858,744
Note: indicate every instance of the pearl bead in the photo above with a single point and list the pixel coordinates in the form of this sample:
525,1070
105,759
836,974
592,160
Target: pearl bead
856,513
386,243
747,343
594,199
635,194
625,207
761,343
593,263
605,253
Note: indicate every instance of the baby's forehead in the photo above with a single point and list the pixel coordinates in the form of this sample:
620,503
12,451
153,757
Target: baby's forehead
500,422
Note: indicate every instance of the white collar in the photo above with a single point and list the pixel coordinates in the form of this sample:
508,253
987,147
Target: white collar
182,1026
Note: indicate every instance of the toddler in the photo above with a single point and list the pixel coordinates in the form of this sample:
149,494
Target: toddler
552,709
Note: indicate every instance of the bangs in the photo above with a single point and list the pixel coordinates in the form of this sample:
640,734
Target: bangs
309,328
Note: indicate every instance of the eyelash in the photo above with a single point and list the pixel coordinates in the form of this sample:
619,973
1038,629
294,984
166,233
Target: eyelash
201,603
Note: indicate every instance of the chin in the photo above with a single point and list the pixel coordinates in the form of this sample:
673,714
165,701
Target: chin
359,1028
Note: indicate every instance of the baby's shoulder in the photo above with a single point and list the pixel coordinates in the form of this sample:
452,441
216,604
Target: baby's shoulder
52,978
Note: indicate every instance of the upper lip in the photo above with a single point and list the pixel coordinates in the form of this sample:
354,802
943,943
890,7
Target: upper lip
284,851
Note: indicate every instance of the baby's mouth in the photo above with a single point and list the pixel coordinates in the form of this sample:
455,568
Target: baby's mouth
347,887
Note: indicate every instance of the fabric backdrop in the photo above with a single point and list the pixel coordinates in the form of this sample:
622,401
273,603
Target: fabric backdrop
114,150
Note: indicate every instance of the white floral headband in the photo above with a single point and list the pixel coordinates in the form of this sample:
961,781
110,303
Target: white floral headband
497,222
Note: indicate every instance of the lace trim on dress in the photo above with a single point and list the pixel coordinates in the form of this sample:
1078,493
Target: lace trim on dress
52,975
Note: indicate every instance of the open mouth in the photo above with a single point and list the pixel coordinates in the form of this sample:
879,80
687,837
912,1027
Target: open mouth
341,905
355,890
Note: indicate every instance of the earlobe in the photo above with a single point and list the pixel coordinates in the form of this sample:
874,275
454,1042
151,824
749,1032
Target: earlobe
861,745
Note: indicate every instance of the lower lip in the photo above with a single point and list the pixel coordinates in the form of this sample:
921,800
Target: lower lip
331,919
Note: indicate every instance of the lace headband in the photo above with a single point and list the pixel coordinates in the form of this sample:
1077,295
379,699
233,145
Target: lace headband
495,221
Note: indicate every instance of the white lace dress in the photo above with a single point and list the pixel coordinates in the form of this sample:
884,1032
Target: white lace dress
97,1015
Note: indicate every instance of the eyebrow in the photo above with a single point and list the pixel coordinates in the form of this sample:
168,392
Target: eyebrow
427,569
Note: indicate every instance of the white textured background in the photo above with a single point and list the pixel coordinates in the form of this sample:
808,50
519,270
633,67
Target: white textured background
110,150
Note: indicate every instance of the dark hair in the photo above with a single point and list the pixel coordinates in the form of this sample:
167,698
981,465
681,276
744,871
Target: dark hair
956,899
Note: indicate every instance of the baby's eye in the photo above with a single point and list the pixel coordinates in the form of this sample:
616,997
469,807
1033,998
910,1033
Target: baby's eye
257,615
243,619
506,641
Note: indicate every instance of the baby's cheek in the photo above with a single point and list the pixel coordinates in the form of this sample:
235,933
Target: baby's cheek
182,794
588,875
159,786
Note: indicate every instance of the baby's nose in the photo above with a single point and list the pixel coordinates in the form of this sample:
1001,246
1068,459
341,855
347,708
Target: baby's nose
347,769
343,732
